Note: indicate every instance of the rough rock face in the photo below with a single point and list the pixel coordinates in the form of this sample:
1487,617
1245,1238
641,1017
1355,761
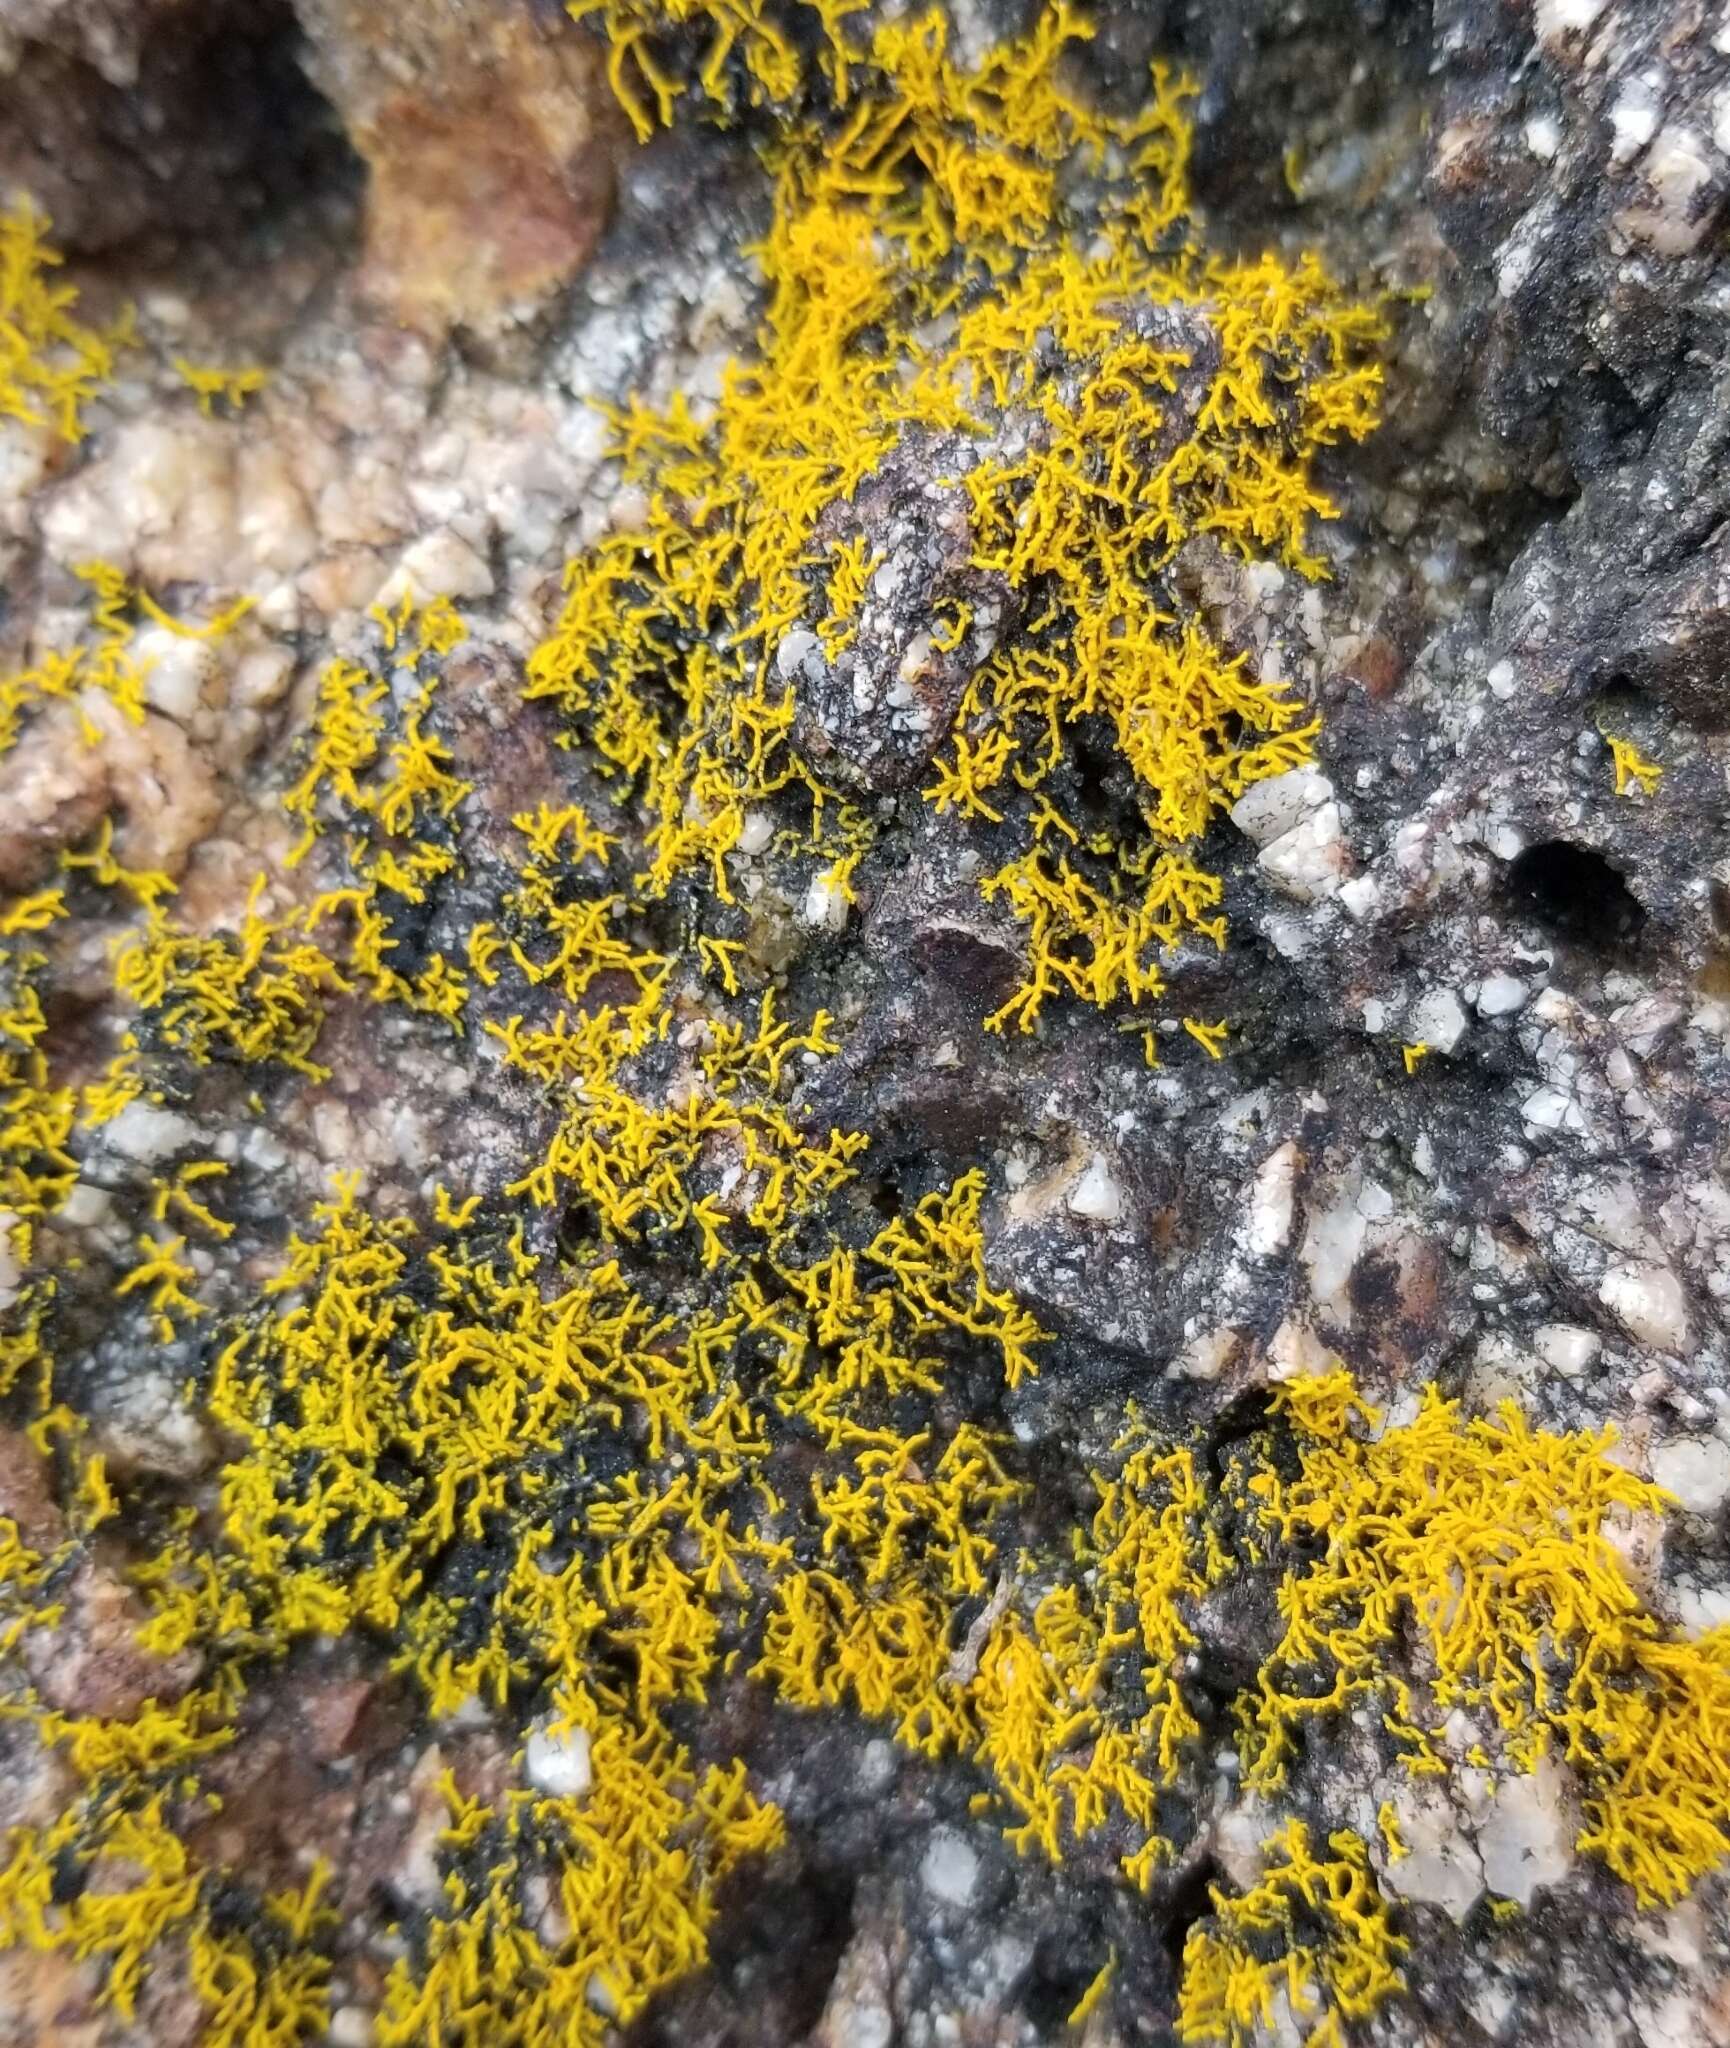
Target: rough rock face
487,135
182,118
1469,1124
489,139
877,712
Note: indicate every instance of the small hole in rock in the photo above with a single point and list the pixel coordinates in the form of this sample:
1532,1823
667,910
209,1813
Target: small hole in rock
1098,776
1065,1961
579,1227
1576,894
217,135
1191,1901
1242,1417
1619,696
773,1956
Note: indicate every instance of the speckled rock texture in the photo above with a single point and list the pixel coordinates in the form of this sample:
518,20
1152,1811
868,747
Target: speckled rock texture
1473,1121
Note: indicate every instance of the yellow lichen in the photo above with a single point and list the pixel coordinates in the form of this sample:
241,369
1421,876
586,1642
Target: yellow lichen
1490,1540
1632,769
255,996
1310,1942
208,384
633,1869
918,253
50,363
105,664
1094,1996
666,1401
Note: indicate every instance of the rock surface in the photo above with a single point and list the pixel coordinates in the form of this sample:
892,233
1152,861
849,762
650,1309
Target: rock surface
489,138
1470,1122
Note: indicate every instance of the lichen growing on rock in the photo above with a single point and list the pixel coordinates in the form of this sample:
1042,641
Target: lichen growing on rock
669,1407
50,362
982,256
1311,1941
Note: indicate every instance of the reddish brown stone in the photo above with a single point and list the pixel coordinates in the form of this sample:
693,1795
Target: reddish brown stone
1378,667
333,1714
490,138
90,1661
24,1495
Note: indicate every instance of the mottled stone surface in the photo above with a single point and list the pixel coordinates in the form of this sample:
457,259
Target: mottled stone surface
1529,557
489,138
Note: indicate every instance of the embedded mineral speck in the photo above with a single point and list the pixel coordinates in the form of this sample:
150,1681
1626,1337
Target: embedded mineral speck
1696,1470
949,1869
557,1762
